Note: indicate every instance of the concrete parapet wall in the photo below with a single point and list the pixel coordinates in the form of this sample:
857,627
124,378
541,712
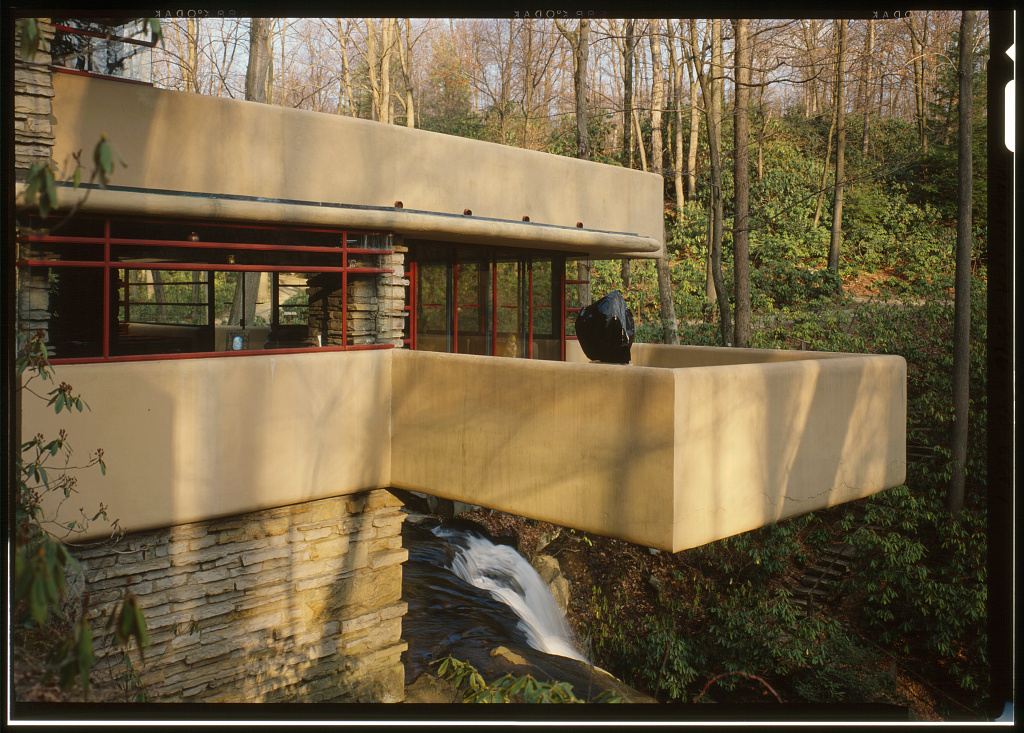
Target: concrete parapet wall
712,443
580,445
300,603
191,439
759,442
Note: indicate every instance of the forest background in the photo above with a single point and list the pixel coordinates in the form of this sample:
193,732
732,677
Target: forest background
811,202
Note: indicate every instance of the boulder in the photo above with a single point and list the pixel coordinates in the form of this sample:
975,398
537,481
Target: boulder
550,572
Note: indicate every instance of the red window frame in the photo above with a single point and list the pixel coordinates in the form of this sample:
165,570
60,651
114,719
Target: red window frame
58,27
527,258
107,265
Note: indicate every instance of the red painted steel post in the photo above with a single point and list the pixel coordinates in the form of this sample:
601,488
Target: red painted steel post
106,288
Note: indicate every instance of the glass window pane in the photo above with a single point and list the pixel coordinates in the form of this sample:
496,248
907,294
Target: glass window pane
432,306
163,296
472,294
543,299
508,302
66,303
293,298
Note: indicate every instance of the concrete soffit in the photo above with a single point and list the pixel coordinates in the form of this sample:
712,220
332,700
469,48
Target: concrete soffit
468,229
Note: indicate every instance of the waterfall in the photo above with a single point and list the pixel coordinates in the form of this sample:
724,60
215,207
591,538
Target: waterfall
505,574
468,596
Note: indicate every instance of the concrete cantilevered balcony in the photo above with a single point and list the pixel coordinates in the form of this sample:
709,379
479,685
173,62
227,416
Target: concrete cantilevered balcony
683,447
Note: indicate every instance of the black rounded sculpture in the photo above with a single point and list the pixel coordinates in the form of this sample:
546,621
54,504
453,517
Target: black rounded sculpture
605,329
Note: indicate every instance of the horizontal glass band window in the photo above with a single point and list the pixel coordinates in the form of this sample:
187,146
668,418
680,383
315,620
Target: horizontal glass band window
152,289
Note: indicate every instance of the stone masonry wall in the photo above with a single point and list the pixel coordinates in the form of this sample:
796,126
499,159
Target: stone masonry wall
299,604
33,92
391,314
376,303
33,143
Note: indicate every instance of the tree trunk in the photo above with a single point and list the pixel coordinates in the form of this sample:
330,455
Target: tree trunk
386,44
765,118
372,67
627,96
345,92
192,52
677,151
258,67
711,89
741,178
824,170
579,40
669,324
627,123
159,295
869,49
962,281
405,58
657,99
708,94
639,140
717,96
837,202
691,149
917,49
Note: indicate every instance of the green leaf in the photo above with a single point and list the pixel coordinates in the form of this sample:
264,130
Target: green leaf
29,38
35,181
51,187
86,658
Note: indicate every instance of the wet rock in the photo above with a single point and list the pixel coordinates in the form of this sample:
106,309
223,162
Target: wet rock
550,572
430,689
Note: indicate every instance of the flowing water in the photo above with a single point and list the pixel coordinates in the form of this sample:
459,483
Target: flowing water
468,594
505,574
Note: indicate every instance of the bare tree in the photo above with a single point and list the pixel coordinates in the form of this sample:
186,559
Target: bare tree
405,57
962,279
824,167
628,43
379,47
918,46
711,90
837,201
258,70
676,65
691,148
628,50
866,101
668,309
579,40
741,186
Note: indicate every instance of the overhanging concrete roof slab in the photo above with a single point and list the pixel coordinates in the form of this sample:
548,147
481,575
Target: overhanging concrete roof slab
259,162
414,224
